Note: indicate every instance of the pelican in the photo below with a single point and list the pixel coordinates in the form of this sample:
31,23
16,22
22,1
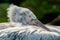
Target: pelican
26,26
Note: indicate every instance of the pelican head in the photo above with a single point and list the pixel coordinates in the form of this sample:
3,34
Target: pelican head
20,15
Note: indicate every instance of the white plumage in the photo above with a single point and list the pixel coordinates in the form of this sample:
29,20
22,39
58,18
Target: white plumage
26,26
27,33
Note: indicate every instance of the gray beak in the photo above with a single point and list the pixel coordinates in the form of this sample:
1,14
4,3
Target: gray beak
36,22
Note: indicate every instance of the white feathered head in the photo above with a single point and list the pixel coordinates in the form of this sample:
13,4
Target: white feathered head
23,16
20,14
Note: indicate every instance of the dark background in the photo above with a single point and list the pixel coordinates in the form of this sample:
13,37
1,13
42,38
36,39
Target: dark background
47,11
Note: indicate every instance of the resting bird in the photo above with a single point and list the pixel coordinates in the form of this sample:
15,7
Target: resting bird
23,16
26,26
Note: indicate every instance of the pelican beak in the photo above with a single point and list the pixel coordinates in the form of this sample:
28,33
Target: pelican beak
36,22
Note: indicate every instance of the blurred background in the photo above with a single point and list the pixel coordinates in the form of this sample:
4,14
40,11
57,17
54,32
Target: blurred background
47,11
